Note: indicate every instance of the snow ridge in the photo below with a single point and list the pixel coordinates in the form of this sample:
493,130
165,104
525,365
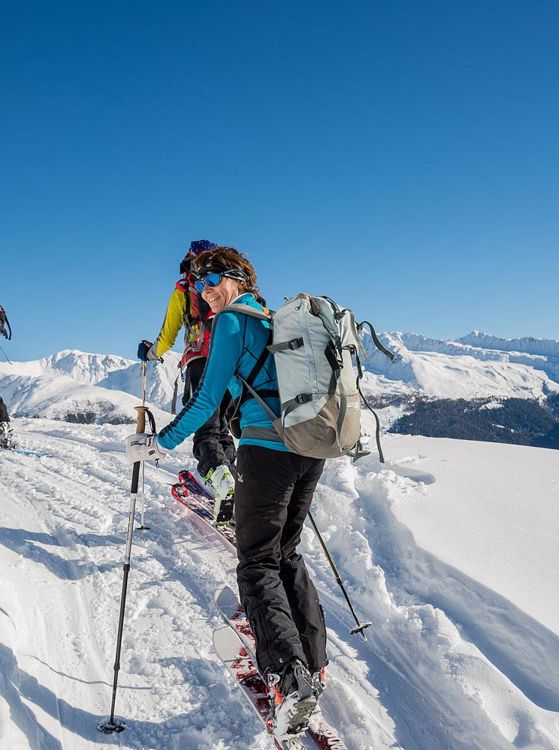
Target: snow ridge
454,369
77,386
527,344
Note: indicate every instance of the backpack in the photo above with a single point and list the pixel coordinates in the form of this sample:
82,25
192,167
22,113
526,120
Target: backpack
314,342
197,332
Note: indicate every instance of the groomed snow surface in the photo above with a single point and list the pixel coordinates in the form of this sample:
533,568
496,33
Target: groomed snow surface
449,550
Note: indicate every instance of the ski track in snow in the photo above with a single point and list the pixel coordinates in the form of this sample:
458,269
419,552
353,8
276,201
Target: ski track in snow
448,664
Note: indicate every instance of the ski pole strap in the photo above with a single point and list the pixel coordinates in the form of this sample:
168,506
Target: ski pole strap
151,420
376,339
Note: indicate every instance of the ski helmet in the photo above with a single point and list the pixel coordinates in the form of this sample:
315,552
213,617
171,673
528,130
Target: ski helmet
196,247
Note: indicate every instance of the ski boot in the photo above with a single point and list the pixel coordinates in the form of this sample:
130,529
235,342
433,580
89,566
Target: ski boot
221,483
292,699
319,682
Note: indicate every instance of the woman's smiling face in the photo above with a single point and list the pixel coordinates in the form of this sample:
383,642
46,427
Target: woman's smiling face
221,295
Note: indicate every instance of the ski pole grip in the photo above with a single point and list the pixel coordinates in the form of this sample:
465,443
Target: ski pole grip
141,418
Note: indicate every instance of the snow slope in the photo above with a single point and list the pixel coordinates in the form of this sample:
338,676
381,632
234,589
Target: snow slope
448,551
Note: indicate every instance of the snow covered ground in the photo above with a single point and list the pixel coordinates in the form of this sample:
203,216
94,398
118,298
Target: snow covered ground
449,550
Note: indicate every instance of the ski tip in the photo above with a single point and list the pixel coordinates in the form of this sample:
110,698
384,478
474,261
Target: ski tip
226,598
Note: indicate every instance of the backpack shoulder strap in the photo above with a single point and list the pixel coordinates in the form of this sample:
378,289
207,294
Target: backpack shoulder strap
248,390
247,310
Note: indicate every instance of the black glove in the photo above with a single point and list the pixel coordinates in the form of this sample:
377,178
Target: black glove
143,348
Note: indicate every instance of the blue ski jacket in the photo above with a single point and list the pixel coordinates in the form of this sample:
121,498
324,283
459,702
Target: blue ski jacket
236,343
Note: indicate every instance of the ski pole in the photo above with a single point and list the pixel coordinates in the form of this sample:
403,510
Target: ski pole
360,628
142,526
112,724
7,358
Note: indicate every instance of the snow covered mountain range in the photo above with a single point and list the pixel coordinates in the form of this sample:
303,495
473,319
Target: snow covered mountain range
423,391
76,386
475,366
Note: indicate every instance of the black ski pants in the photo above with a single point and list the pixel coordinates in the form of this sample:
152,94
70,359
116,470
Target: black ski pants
273,494
212,443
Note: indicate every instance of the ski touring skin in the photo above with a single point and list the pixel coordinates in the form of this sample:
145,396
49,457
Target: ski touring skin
243,668
190,493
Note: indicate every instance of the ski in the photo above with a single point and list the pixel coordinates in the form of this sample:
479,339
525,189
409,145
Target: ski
241,666
322,735
189,480
193,496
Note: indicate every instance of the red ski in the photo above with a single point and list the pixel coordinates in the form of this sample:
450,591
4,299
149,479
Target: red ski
321,734
240,664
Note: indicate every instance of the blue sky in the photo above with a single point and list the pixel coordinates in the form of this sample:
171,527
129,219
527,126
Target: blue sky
399,156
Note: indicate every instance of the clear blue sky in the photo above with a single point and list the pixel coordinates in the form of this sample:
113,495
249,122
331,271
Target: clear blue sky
400,156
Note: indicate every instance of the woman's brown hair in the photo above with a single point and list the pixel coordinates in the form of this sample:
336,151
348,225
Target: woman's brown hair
222,258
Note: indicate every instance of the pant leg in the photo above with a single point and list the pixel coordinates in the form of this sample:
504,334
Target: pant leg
301,592
207,445
266,480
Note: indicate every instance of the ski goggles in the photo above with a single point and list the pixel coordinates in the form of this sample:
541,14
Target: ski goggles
214,279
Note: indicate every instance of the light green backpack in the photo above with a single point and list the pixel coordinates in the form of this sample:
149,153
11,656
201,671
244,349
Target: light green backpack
317,351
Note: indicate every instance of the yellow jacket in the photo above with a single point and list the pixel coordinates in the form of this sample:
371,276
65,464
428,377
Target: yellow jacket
175,318
182,310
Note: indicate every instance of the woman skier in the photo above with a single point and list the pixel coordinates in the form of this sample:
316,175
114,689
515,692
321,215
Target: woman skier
273,493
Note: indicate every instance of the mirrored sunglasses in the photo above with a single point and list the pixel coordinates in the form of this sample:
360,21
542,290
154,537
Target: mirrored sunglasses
214,279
